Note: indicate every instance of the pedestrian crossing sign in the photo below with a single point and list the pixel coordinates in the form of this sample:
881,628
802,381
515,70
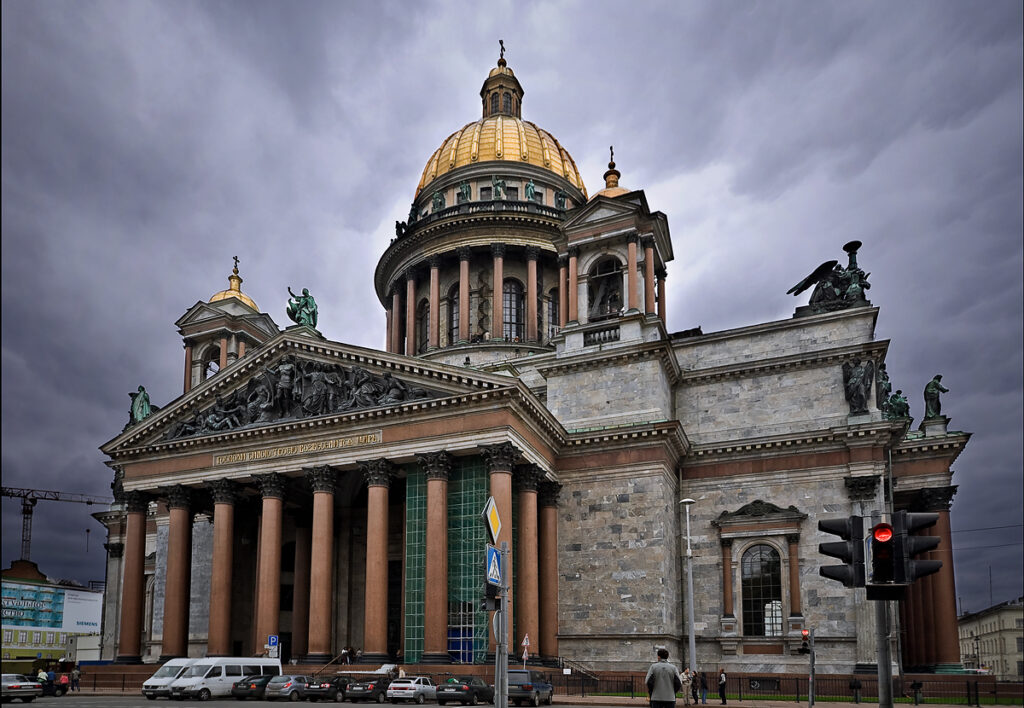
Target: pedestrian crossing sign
493,566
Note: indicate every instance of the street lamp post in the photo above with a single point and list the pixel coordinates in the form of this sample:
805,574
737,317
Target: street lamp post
689,588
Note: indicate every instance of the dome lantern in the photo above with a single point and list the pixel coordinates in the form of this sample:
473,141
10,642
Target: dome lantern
234,289
502,94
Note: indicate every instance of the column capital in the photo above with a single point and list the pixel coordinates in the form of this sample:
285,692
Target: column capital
377,473
409,274
532,253
223,491
633,237
271,485
434,261
528,477
726,543
464,252
934,498
177,496
574,252
135,502
322,478
563,260
547,493
114,550
647,241
436,465
500,457
498,250
861,488
661,273
793,539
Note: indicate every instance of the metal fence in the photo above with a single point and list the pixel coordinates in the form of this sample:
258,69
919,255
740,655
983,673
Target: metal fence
912,690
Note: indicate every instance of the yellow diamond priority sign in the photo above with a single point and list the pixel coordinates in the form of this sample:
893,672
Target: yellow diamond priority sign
492,520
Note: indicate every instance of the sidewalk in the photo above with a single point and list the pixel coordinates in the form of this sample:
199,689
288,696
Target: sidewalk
746,703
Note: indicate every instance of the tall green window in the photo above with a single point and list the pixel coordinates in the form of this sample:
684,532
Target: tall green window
467,623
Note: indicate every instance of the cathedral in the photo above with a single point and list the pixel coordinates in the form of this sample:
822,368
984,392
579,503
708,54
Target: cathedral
330,495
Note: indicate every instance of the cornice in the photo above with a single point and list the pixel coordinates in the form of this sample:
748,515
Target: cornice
669,432
949,446
778,325
620,355
792,362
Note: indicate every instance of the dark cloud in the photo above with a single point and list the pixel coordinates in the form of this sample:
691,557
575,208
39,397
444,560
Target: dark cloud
146,143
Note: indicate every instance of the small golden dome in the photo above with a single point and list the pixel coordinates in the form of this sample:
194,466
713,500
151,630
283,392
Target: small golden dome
611,180
234,289
501,134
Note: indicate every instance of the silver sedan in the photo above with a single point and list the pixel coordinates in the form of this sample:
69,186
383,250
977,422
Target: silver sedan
18,686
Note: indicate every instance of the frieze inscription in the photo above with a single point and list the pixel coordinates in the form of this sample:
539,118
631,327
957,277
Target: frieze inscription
271,453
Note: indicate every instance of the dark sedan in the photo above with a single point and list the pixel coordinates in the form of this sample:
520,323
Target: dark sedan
250,686
374,689
467,690
329,688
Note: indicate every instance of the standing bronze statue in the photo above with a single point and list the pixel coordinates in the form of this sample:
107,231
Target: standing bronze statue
140,408
302,308
857,378
932,404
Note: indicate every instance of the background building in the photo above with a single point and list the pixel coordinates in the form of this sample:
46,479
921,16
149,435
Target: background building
993,640
330,494
41,616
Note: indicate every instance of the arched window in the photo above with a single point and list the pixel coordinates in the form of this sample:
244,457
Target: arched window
605,289
453,315
506,103
761,586
494,102
422,326
513,309
211,362
552,313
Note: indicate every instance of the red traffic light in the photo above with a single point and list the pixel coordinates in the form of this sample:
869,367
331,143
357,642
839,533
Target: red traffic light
882,533
805,633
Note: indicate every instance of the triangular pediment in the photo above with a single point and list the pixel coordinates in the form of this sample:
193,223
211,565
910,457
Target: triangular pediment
230,310
604,209
295,378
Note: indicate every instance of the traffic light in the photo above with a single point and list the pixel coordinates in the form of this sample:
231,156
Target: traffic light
883,555
907,546
850,550
491,601
805,648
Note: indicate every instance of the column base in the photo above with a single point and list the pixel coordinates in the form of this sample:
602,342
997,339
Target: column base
435,658
130,659
316,658
374,658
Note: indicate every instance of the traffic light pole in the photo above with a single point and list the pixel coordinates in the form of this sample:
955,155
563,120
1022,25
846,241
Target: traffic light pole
884,659
501,636
810,682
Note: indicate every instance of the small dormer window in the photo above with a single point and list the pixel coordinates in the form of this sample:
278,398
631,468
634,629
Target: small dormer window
506,103
494,102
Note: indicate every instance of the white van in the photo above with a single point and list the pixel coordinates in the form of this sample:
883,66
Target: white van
159,684
207,678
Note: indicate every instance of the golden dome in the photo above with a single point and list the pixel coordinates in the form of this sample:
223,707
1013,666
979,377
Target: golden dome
501,137
234,290
501,134
611,180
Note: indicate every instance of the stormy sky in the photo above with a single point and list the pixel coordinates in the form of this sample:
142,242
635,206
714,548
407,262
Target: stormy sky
145,144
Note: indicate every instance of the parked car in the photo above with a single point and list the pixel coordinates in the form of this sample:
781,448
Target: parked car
411,688
374,689
251,686
18,686
329,688
529,687
467,690
289,686
159,684
213,677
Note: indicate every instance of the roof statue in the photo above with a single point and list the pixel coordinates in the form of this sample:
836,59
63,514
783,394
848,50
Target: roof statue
835,287
857,378
932,404
302,308
141,407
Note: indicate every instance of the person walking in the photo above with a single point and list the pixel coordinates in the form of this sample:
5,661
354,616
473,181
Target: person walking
693,686
704,687
663,681
687,682
721,685
76,677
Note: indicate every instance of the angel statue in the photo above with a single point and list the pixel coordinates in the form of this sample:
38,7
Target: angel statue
857,378
835,287
302,308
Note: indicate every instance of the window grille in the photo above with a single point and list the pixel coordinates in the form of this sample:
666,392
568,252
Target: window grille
761,570
513,306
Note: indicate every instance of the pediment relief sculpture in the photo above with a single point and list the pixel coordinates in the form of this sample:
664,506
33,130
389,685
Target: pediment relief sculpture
759,510
294,388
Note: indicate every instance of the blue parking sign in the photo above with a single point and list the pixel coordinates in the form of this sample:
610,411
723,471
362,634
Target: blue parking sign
272,640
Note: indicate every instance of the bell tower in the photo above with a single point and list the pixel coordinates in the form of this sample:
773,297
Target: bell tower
220,331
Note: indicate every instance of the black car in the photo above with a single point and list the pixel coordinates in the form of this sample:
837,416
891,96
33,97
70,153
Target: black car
467,690
329,688
374,689
250,686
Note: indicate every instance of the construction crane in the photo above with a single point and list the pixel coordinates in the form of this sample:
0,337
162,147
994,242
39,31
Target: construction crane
29,497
